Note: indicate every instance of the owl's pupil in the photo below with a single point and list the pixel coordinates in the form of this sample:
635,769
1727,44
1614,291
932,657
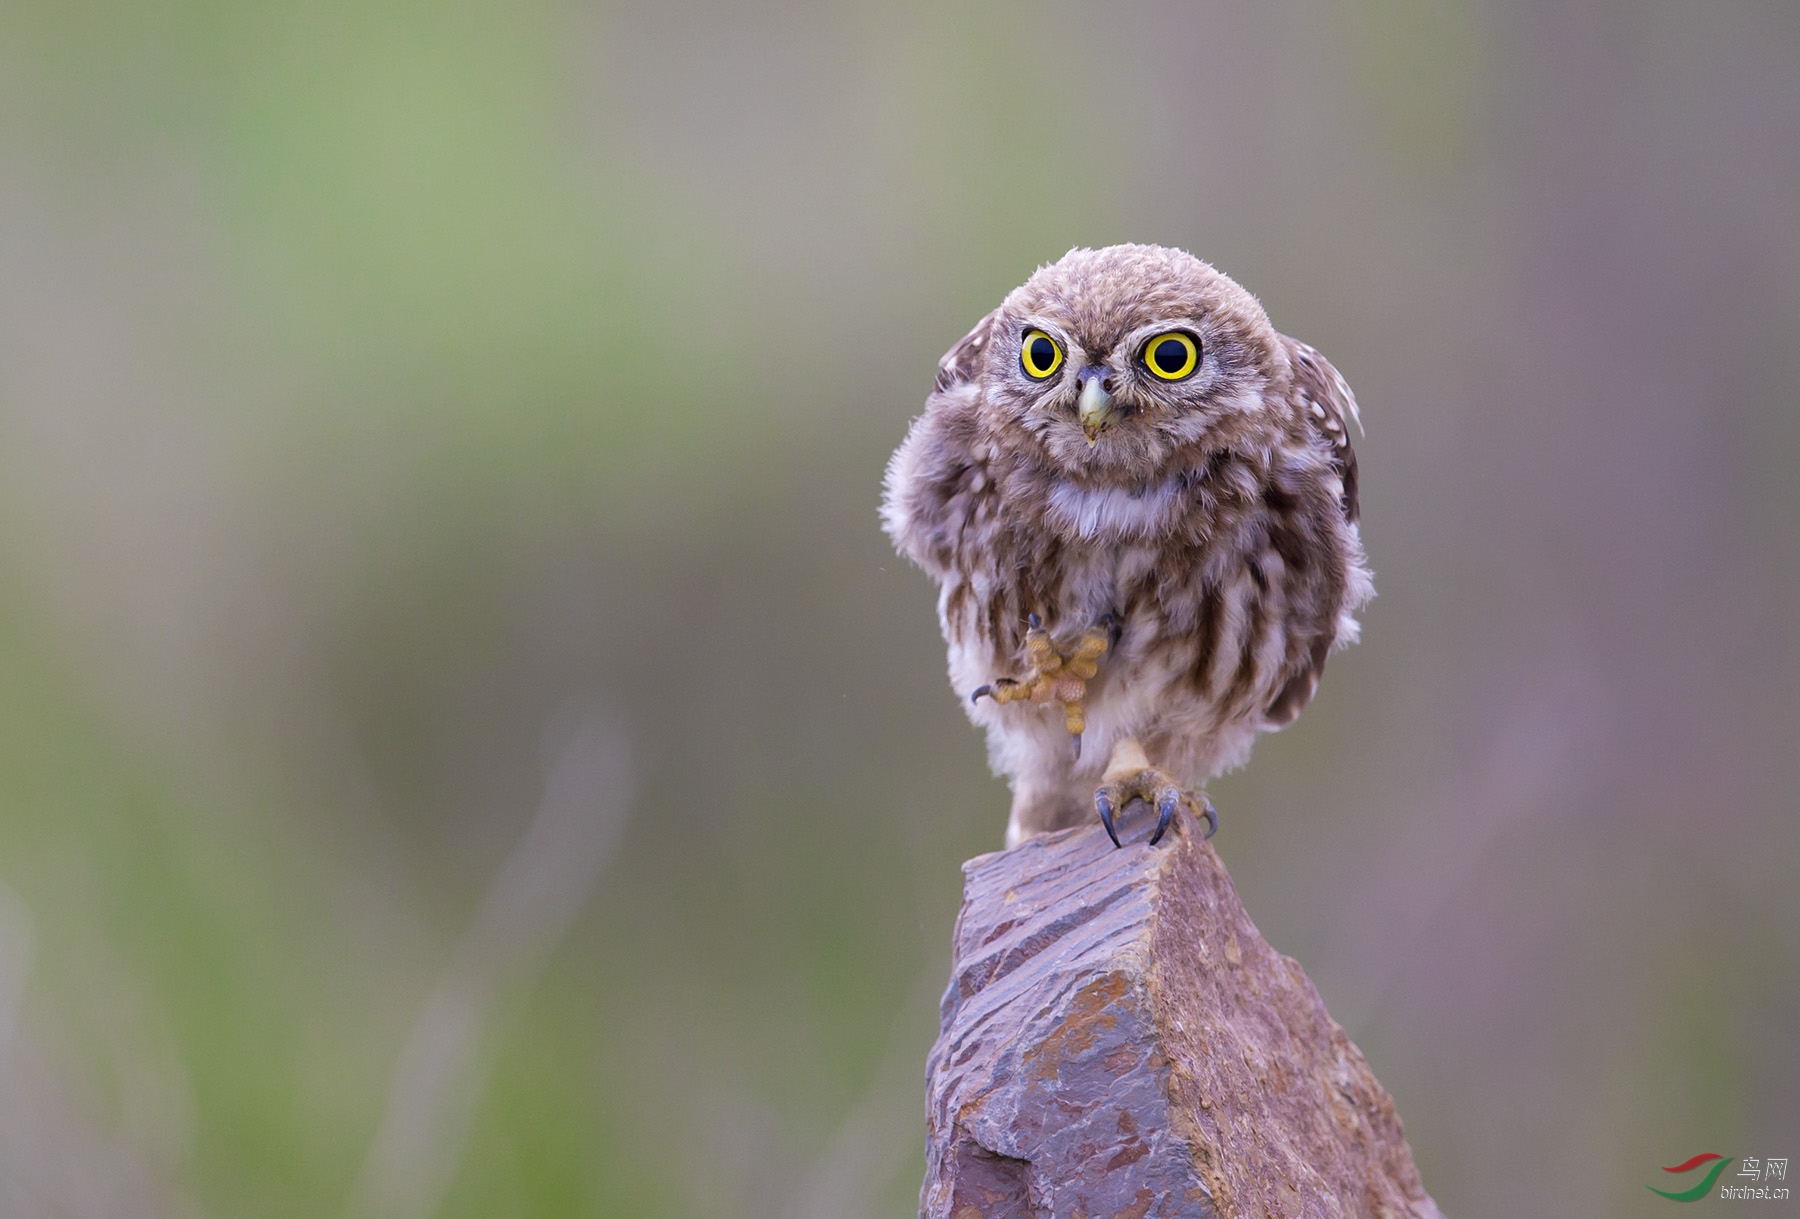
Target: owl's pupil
1042,353
1170,355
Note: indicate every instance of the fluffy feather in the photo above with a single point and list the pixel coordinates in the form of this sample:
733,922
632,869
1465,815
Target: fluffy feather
1216,522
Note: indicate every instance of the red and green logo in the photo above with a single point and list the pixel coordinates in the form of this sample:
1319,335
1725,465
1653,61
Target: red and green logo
1706,1183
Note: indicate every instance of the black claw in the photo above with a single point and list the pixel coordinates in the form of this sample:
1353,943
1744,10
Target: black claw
1165,813
1212,818
1106,814
1115,627
1077,738
979,691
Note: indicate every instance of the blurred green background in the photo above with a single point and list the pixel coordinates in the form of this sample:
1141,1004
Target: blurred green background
466,748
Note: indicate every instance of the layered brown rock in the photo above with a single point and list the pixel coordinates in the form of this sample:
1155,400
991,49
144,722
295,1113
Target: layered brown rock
1119,1040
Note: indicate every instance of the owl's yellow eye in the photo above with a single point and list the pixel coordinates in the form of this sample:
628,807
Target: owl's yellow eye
1039,355
1172,356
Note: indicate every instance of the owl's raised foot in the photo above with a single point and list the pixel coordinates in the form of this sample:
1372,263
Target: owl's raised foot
1055,676
1129,776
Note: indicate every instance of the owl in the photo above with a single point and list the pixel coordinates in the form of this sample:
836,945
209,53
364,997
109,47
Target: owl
1139,502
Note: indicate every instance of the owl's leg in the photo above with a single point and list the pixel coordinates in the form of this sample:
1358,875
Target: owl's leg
1129,776
1043,809
1055,676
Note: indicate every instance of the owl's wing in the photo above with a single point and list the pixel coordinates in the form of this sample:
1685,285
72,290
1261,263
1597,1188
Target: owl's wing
962,362
1323,397
928,504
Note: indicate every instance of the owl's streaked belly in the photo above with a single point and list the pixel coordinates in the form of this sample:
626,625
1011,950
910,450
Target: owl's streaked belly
1198,655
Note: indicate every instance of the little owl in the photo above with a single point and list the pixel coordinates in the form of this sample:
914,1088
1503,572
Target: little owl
1139,501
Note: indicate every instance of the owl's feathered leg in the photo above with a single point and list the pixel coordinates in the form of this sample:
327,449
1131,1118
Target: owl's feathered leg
1129,776
1053,675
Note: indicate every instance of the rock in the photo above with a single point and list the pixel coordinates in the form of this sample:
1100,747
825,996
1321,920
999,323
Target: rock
1118,1040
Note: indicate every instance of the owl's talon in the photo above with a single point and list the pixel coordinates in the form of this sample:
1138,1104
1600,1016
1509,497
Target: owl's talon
1106,818
1165,813
1130,776
1054,677
1113,625
1004,690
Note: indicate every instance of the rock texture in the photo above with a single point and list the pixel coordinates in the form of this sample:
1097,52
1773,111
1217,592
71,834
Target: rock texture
1119,1040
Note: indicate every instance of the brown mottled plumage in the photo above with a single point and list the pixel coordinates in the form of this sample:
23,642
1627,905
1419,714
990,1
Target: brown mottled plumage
1199,533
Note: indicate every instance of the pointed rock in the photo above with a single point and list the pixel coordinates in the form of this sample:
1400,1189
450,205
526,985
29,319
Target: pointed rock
1118,1040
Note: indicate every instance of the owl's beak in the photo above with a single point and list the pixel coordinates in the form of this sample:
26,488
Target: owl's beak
1095,406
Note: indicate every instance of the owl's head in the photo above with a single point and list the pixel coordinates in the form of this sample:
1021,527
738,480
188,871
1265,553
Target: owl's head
1118,361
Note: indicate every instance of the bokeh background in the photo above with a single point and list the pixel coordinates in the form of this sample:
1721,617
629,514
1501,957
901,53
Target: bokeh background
466,748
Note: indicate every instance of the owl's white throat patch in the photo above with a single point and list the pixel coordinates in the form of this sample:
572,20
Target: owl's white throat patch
1115,512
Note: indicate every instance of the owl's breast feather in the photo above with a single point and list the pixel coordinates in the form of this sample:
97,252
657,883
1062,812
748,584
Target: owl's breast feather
1107,514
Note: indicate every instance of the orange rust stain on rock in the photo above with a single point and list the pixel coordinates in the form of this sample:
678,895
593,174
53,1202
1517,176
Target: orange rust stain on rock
1140,1205
1088,1015
1131,1153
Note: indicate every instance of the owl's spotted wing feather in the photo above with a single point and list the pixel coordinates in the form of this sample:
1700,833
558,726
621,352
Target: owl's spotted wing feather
1324,399
962,363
